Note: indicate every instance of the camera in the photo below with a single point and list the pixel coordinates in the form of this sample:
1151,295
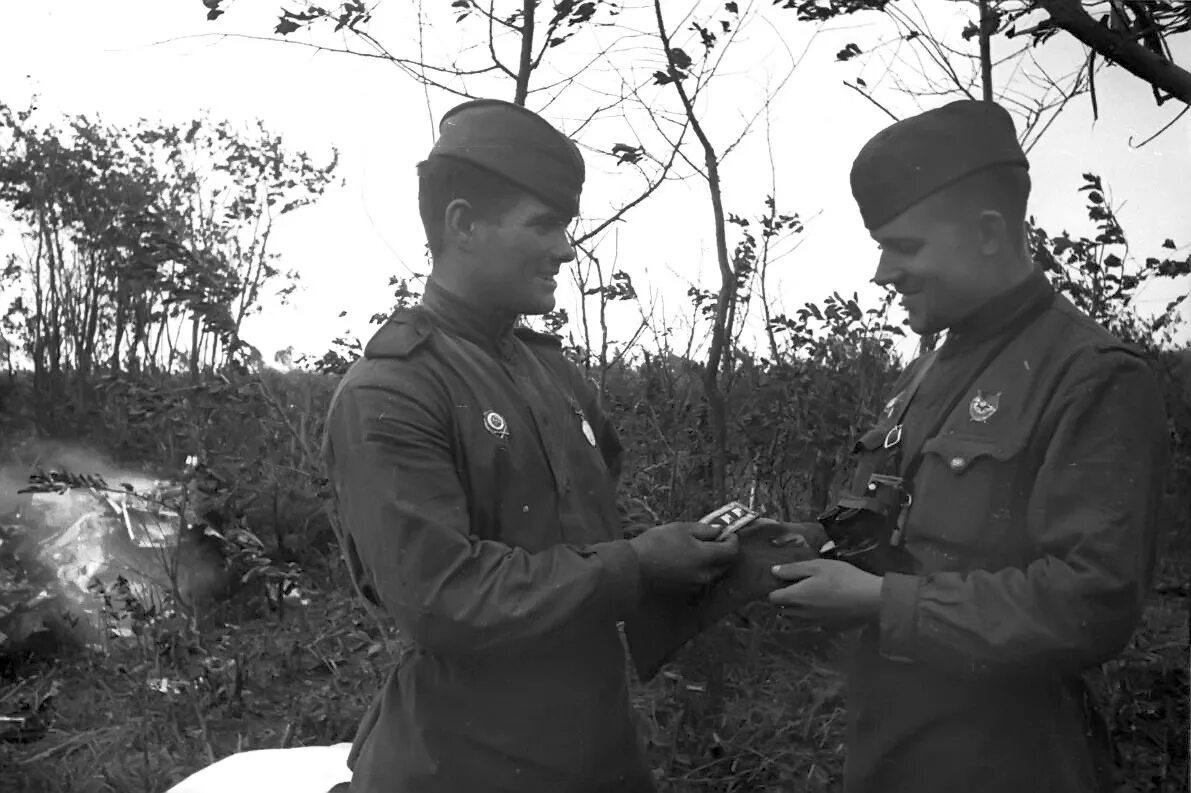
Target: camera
866,530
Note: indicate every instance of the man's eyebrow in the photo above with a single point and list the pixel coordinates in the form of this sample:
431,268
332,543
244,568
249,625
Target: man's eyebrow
551,216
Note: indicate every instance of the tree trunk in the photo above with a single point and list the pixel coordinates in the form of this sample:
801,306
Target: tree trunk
986,30
716,403
118,331
195,338
525,65
37,323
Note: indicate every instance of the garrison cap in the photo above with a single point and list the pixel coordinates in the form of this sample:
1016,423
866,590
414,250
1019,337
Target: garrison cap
517,144
918,156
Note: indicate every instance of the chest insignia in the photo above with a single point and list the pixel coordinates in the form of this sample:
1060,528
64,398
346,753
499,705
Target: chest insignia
983,406
587,431
584,425
496,424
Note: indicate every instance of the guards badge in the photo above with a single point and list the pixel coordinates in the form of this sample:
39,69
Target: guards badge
496,424
983,406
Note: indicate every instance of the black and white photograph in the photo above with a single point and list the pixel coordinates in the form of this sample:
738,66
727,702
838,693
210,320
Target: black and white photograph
595,396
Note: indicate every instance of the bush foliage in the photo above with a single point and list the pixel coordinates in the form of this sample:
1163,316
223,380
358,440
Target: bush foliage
757,703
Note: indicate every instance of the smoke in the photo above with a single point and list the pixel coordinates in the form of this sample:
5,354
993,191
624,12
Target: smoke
28,455
80,538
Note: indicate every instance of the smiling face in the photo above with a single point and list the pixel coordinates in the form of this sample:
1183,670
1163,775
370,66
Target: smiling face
494,243
954,251
516,256
931,263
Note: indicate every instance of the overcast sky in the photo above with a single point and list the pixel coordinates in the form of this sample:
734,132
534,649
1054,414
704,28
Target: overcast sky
126,59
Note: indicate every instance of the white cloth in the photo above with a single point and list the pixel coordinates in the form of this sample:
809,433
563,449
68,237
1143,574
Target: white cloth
300,769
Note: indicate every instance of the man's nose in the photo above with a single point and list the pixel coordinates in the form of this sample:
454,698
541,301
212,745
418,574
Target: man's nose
888,273
565,248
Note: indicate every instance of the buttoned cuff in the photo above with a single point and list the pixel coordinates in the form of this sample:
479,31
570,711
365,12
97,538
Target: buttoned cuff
898,615
622,576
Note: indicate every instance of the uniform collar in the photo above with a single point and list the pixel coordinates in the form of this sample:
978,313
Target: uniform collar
997,314
478,324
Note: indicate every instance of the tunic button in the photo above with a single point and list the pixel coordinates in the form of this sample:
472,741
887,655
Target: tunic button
957,463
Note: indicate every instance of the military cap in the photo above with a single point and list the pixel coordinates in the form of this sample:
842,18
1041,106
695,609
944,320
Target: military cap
516,144
918,156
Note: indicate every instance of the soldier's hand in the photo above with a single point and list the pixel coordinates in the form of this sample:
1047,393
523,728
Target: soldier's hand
683,553
828,589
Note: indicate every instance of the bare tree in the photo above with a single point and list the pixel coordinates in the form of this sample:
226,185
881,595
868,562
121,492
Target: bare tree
538,54
687,80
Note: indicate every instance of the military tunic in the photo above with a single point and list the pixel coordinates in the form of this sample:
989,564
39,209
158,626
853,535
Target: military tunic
1032,537
474,474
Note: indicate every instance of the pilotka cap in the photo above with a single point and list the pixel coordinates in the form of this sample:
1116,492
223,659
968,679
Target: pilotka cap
918,156
517,144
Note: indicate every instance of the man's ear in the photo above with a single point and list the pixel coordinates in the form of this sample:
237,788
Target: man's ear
459,226
993,232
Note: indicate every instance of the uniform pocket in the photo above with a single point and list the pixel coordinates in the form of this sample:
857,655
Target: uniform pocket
966,501
961,454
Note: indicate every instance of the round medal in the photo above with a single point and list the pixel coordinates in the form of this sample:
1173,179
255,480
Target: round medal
496,424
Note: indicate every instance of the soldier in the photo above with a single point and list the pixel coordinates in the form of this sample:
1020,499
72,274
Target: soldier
1017,473
474,475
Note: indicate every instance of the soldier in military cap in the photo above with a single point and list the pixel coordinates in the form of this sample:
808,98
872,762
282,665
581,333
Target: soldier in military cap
474,476
1029,455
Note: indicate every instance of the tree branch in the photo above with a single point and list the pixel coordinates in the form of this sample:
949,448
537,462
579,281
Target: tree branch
491,16
406,65
537,61
492,51
651,186
1172,122
869,97
1136,59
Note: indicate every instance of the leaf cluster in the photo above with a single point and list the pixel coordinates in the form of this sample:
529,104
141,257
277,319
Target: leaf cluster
136,231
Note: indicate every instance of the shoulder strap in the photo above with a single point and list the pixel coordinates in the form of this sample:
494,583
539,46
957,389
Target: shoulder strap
894,436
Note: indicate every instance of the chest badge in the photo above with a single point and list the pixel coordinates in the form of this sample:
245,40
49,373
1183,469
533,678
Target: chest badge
983,406
496,424
584,425
587,431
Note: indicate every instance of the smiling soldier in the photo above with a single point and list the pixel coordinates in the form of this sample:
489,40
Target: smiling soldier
1008,496
474,476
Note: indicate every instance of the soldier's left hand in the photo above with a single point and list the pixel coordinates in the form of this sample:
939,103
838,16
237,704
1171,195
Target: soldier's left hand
828,589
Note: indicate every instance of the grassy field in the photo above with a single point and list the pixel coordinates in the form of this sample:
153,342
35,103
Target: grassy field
757,704
754,705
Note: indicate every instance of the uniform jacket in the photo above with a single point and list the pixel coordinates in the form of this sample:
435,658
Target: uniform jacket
474,477
1032,535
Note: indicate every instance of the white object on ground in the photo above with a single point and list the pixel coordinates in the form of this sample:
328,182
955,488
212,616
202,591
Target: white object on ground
299,769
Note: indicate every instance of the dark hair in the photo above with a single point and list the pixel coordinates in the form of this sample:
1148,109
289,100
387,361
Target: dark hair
441,180
1002,188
